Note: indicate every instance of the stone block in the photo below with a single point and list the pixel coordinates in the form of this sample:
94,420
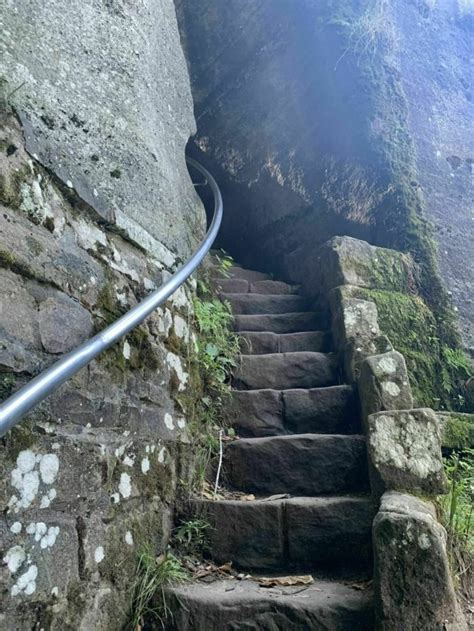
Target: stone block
413,587
405,452
383,384
348,261
63,324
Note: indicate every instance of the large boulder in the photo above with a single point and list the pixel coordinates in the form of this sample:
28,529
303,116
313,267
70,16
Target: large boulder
412,583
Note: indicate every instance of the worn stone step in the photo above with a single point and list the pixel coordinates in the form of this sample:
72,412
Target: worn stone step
264,342
330,410
235,271
242,286
280,323
286,370
251,304
303,464
296,534
233,605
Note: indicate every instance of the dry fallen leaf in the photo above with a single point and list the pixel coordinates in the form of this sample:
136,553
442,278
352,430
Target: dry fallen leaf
285,581
278,496
247,498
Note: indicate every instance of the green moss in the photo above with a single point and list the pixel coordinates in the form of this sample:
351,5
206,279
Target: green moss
412,328
7,383
458,431
7,258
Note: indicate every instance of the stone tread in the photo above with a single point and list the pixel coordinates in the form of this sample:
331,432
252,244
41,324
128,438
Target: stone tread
256,304
299,464
236,271
291,534
281,322
328,410
264,342
233,605
242,286
301,369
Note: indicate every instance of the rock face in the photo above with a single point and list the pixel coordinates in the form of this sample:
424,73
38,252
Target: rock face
104,96
97,208
407,535
310,114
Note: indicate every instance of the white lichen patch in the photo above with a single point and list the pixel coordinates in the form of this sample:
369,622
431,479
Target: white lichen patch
127,351
14,558
99,554
406,443
181,328
161,455
169,421
48,498
129,538
44,535
174,362
26,583
125,485
387,365
391,388
16,528
424,541
30,470
129,461
145,465
181,422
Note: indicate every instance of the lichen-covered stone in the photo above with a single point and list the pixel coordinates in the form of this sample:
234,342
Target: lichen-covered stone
405,452
348,261
383,384
413,587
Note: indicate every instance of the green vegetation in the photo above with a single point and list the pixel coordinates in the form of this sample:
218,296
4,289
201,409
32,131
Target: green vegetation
457,513
152,576
458,431
437,372
190,536
217,348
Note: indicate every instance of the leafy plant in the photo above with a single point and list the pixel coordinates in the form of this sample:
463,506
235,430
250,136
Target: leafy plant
457,512
191,536
152,576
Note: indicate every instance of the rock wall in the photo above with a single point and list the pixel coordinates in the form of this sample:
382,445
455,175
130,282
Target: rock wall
319,120
97,209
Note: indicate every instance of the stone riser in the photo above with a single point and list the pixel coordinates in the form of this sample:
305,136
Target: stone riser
281,323
256,304
258,413
298,534
242,286
262,343
305,464
280,371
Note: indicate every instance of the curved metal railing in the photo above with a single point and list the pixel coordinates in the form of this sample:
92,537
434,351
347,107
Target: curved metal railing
15,407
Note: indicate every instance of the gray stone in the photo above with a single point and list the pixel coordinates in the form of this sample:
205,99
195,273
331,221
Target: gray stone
285,370
272,287
233,285
412,583
63,324
279,323
383,384
405,451
330,533
264,342
257,412
100,122
306,464
250,304
331,410
243,605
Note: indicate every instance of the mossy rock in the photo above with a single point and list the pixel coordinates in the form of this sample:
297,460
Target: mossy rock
457,430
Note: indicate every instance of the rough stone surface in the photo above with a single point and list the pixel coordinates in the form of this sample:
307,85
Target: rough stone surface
306,464
457,430
405,451
257,412
285,370
63,314
412,583
295,534
279,323
261,343
383,384
248,304
243,605
110,119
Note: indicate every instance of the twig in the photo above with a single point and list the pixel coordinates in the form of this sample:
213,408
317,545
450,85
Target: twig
216,486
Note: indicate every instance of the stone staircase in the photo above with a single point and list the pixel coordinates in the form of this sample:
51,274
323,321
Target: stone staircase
300,454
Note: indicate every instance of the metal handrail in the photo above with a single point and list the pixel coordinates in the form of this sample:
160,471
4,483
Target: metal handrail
23,401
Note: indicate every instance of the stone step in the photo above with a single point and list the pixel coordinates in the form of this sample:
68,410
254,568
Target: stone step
241,286
280,371
280,323
330,410
264,342
252,304
226,605
291,535
239,272
303,464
